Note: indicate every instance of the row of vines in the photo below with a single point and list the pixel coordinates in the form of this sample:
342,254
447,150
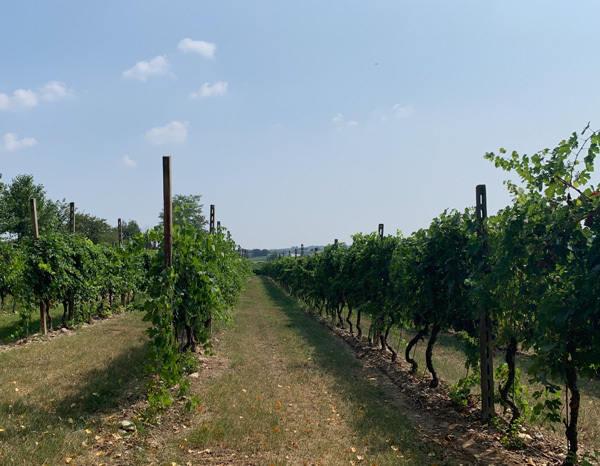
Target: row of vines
89,280
536,269
85,278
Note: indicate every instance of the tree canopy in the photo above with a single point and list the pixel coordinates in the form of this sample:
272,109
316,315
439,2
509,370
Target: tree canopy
187,209
15,211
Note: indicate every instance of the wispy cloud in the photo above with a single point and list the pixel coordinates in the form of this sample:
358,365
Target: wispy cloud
206,49
127,161
21,99
176,131
339,121
207,90
55,90
156,67
402,111
11,143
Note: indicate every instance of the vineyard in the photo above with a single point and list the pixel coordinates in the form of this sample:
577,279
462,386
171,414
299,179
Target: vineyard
524,282
534,268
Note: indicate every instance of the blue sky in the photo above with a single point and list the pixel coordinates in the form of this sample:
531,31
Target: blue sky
301,121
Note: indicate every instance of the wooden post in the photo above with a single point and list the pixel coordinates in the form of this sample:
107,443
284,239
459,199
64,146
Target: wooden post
380,230
120,230
36,235
168,211
72,216
208,321
219,226
302,250
485,325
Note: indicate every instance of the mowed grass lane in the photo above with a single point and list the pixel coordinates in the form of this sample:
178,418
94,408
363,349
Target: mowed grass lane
293,394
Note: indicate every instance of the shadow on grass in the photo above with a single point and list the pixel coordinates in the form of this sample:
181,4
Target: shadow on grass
382,423
100,393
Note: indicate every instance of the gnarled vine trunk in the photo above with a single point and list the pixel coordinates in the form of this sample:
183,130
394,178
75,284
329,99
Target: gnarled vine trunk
385,339
348,318
339,310
571,425
511,351
432,339
419,336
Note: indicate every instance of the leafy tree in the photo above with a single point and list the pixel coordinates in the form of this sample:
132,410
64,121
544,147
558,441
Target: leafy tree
187,210
130,229
15,211
94,228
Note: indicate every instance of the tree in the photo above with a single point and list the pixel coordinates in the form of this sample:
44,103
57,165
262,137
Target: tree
15,211
96,229
130,229
186,209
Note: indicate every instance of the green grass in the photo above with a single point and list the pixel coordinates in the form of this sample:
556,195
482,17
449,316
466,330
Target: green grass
292,394
258,259
52,391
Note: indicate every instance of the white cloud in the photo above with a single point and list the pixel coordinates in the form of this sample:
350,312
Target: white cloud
55,90
142,69
21,99
217,89
127,161
339,121
206,49
11,143
176,131
402,111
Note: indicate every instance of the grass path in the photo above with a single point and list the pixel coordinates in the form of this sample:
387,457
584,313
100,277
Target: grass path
289,393
51,391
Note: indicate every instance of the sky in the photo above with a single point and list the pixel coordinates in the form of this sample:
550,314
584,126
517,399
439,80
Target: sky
303,122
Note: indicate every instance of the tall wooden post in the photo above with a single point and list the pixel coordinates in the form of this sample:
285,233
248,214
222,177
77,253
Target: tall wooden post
72,216
168,211
212,218
485,325
380,231
36,235
120,230
34,221
302,250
